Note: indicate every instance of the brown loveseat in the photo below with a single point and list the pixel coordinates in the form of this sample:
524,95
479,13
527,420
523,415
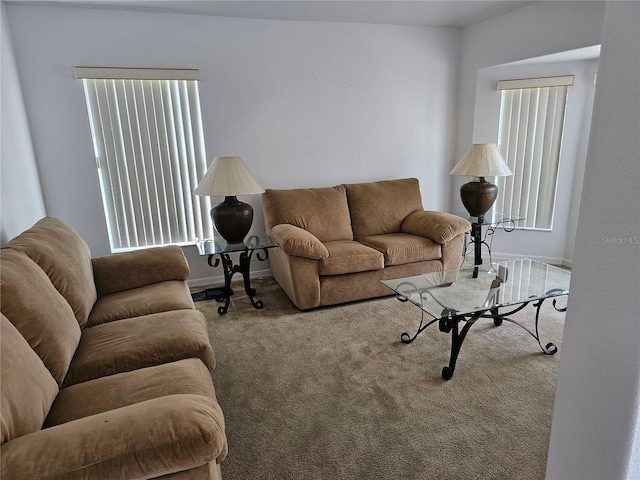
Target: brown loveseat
105,364
337,243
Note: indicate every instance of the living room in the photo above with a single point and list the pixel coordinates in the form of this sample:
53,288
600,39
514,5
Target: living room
305,104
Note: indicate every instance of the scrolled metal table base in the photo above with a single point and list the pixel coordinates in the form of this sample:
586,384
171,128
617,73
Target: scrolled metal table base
223,294
450,320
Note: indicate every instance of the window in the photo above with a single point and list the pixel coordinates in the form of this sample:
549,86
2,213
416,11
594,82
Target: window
149,147
532,115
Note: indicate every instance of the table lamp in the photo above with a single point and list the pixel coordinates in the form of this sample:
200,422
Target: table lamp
229,176
481,160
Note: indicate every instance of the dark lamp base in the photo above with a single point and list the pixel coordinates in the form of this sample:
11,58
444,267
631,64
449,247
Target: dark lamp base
478,197
232,219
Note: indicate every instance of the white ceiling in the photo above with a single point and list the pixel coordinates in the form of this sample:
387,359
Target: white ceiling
438,13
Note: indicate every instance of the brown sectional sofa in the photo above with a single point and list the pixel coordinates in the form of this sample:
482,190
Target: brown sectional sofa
337,243
106,364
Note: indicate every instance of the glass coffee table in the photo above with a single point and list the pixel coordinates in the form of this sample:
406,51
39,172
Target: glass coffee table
217,251
493,291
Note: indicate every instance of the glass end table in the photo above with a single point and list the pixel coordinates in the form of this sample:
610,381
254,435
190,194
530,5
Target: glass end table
217,251
489,221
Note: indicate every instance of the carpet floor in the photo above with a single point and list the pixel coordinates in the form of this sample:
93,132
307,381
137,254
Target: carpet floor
333,393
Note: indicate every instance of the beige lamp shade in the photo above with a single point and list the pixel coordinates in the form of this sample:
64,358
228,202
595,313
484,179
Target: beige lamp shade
482,160
228,176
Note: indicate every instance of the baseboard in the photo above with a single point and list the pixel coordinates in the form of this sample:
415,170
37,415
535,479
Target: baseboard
219,279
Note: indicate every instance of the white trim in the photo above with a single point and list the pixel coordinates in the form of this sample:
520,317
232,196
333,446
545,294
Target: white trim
122,73
539,82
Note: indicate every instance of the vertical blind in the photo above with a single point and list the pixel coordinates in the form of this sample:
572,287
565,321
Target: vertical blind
530,139
149,145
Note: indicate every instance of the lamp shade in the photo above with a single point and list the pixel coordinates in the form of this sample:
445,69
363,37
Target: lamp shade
228,176
482,160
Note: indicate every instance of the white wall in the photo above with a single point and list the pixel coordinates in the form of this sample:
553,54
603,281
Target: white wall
540,29
555,246
21,202
597,398
304,104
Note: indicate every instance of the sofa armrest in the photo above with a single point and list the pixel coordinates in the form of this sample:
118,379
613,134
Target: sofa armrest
148,439
440,227
127,270
298,242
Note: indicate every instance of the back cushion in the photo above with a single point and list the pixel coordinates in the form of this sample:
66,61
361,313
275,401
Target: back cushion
27,389
380,207
65,258
320,211
38,311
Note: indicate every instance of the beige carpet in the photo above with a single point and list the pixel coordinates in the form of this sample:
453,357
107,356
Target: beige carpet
334,394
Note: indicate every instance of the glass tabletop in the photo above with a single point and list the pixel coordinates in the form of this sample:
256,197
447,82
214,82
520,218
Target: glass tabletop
475,289
492,218
216,245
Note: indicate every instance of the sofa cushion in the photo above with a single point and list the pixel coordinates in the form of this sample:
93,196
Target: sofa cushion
145,440
27,389
127,270
321,211
140,342
401,248
65,258
349,257
380,207
115,391
38,311
155,298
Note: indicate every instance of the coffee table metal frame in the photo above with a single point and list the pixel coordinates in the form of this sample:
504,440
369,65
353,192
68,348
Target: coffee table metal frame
424,291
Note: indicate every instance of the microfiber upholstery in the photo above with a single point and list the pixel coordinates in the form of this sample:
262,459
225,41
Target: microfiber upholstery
298,242
140,342
122,389
65,258
321,211
401,248
128,270
337,243
154,298
441,227
106,364
349,257
27,389
380,207
175,379
162,435
38,311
